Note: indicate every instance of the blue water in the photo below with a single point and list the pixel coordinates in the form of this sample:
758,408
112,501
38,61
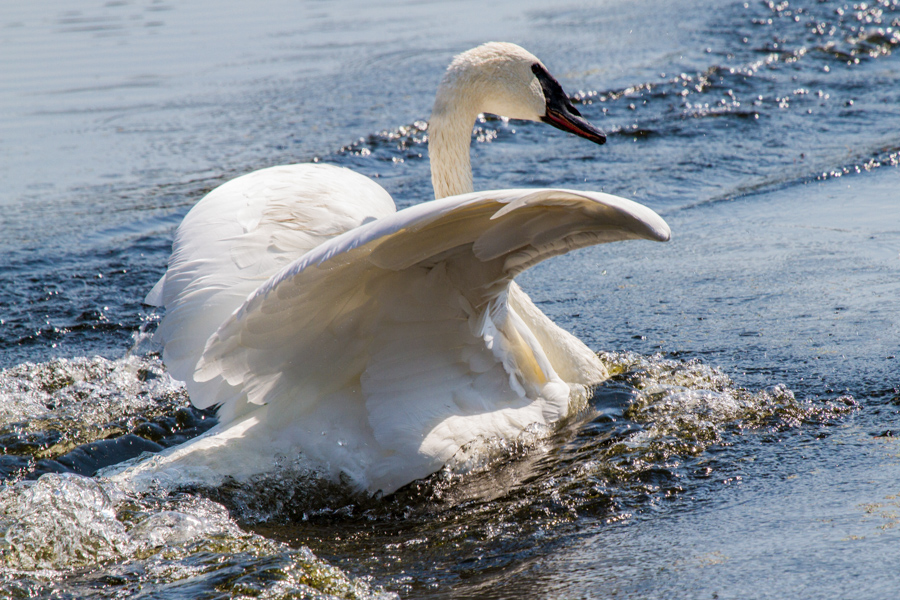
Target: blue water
746,448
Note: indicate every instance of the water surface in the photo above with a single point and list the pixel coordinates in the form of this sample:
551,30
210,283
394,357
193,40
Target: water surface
746,447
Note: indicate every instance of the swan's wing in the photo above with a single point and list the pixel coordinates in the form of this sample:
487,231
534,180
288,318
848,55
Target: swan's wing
406,321
237,237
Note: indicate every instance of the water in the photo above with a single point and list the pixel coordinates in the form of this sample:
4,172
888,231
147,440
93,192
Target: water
746,447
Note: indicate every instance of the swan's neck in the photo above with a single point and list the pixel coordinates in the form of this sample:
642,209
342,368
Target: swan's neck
449,138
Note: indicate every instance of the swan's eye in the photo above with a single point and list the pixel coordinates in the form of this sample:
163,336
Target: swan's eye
553,91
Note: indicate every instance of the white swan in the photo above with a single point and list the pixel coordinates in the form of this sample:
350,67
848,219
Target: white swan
377,343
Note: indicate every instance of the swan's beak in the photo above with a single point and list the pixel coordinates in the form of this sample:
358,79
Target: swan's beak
560,112
570,120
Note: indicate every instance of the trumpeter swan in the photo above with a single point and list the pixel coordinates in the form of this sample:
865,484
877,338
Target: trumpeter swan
375,343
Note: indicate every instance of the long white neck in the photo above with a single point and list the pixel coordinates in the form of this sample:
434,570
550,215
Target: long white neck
448,149
449,138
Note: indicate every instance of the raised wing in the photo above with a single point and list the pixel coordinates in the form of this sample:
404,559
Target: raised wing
404,335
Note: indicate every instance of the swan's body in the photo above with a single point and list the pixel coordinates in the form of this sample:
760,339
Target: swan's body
377,343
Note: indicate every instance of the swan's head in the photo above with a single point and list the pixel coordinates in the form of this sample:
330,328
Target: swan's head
507,80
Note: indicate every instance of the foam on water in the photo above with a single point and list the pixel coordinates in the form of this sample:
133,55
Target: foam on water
92,390
61,522
78,415
58,529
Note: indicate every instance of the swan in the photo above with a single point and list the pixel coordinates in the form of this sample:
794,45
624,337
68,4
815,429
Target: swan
376,343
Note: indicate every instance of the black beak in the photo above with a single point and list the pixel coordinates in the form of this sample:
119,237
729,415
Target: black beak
560,112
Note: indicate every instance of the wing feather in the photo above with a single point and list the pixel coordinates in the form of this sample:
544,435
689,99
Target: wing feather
415,316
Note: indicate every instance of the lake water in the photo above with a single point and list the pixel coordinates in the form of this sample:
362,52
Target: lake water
747,446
